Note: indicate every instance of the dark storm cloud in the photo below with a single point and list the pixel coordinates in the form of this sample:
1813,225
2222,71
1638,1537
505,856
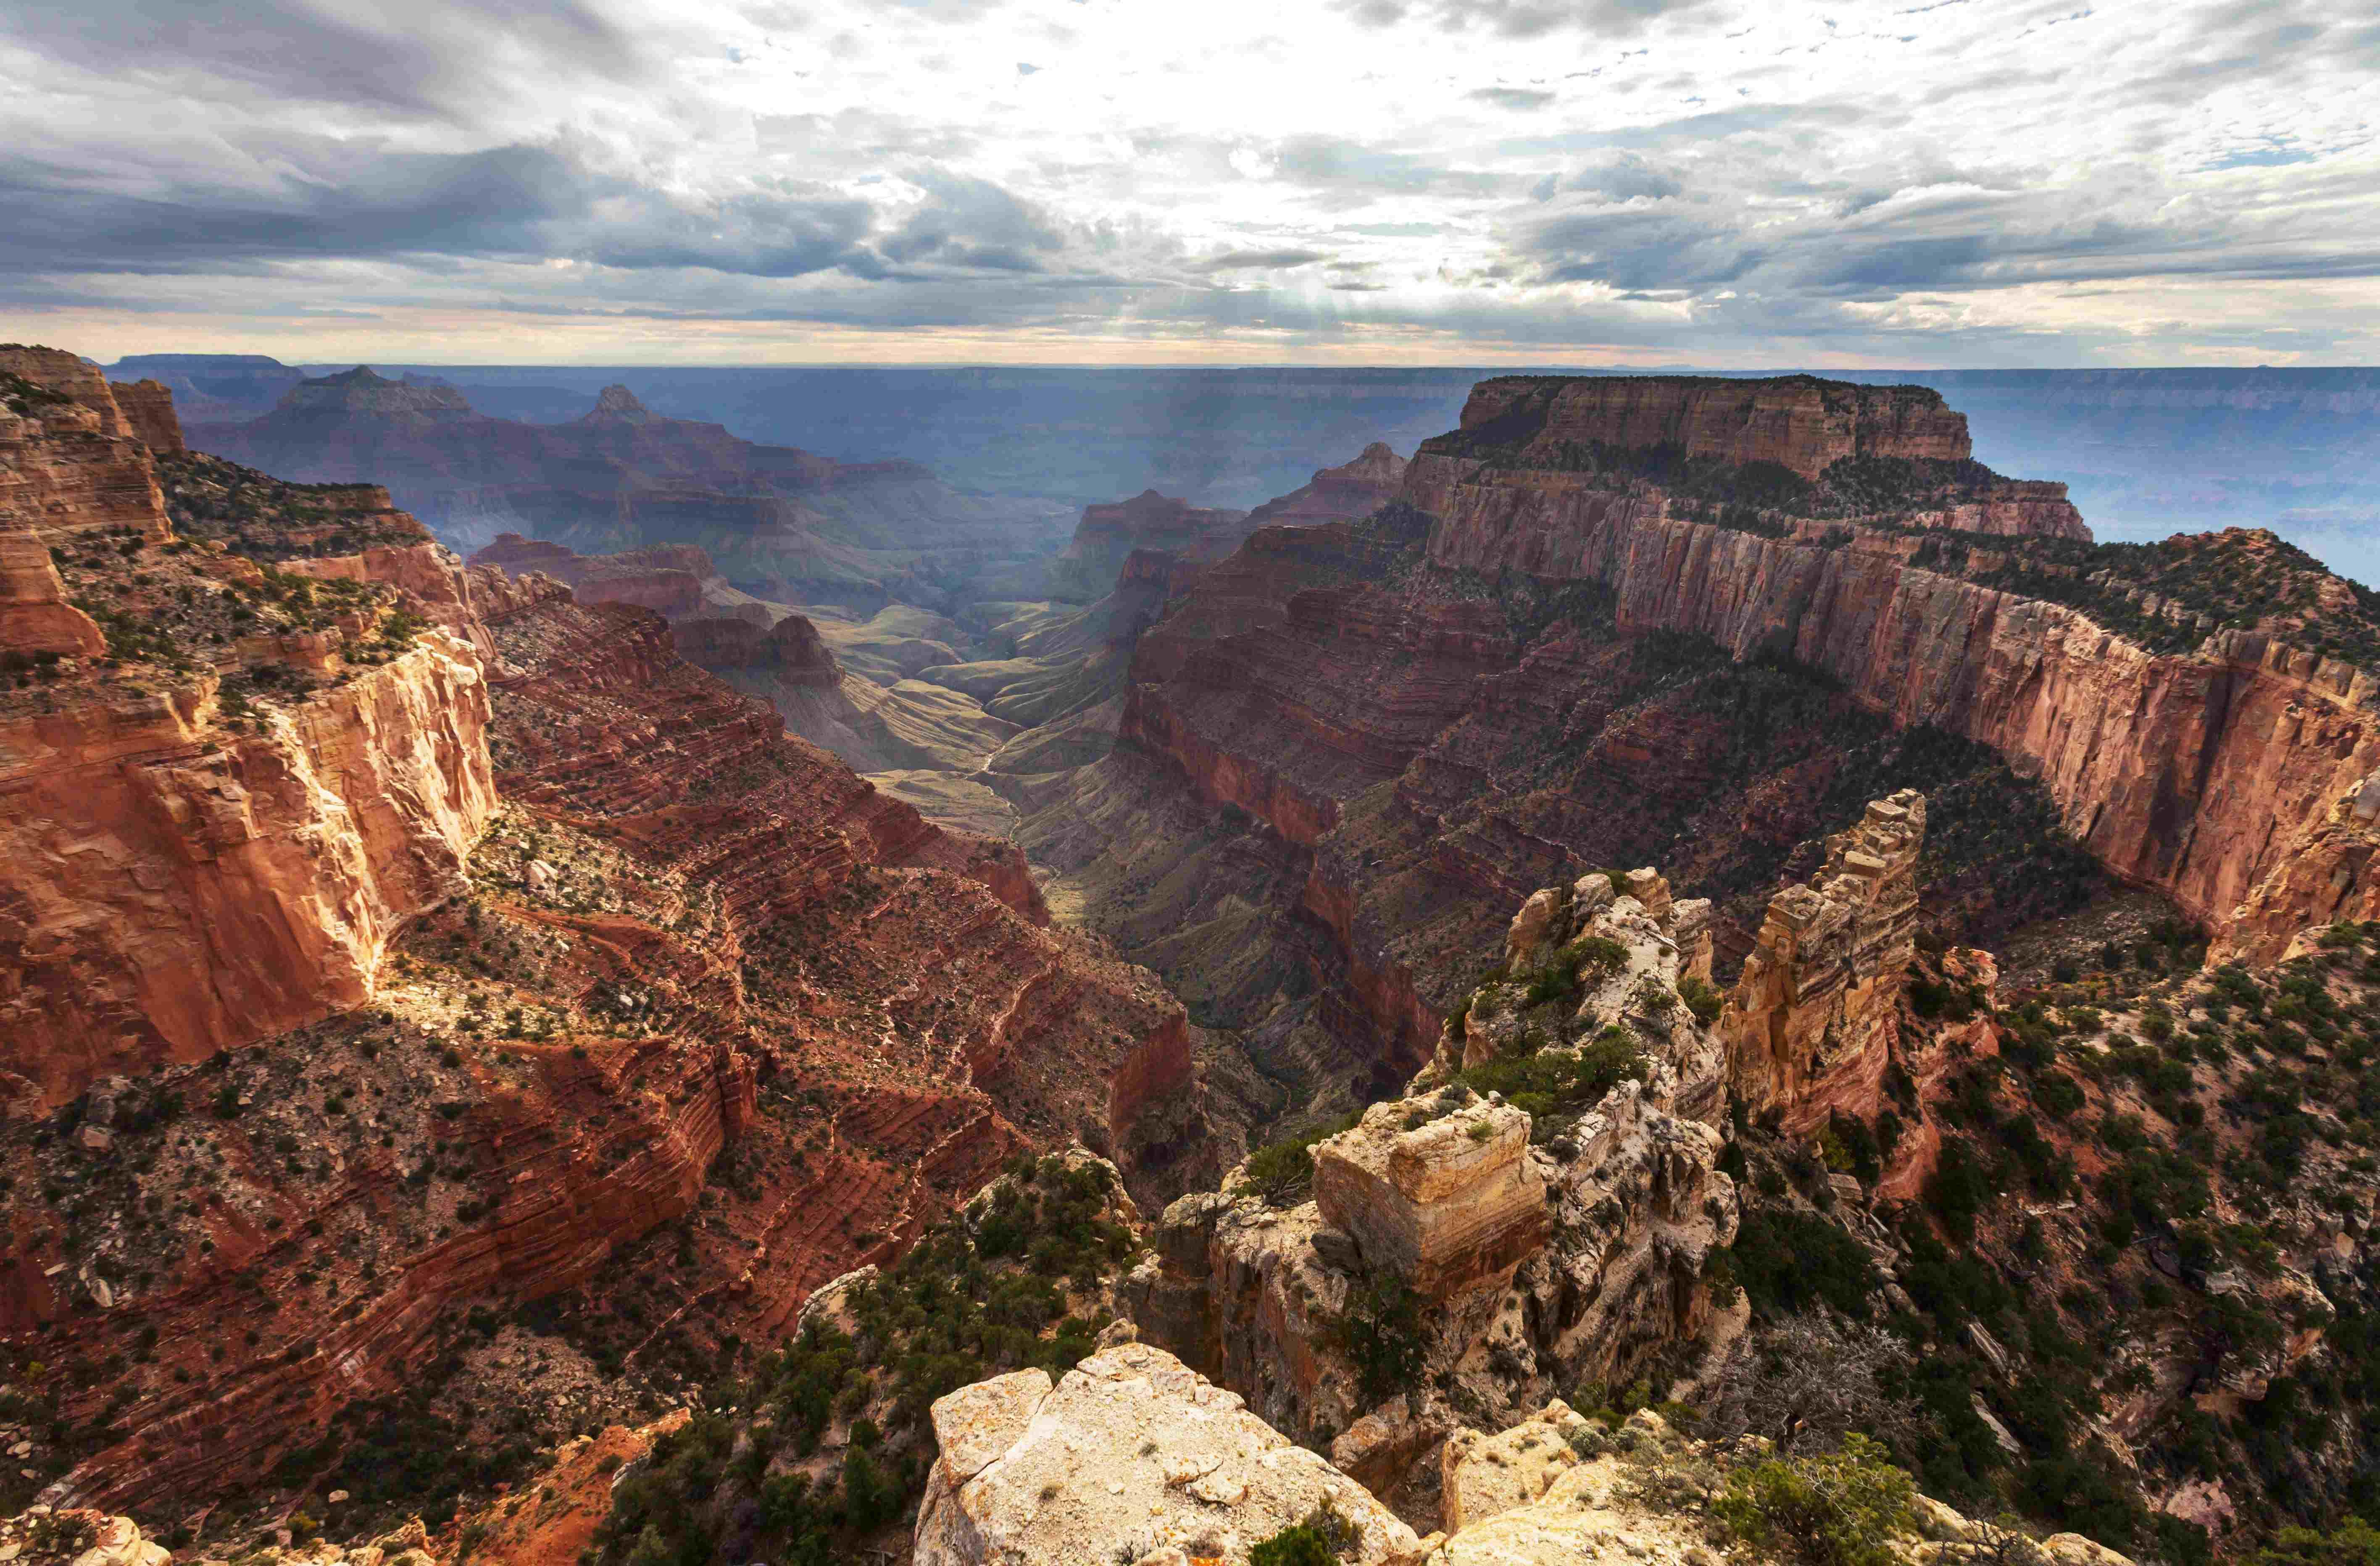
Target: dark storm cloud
335,199
973,222
427,56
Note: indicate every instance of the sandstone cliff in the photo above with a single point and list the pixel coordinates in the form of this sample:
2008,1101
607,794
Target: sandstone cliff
1811,1023
168,893
2200,775
179,880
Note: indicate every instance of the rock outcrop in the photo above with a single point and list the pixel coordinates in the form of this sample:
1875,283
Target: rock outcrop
1442,1207
149,416
1550,1240
175,884
2200,775
669,580
1810,1024
1108,535
1130,1456
1337,494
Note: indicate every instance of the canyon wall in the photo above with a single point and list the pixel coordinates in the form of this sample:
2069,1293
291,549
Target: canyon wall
168,890
2200,775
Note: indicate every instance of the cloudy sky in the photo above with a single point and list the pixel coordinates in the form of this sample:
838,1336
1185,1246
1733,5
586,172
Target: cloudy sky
1876,183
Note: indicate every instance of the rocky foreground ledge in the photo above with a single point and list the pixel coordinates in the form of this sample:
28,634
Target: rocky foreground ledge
1133,1457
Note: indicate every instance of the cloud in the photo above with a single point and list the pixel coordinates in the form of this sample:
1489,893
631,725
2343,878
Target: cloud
1338,164
431,57
1522,19
2037,178
1510,97
1241,261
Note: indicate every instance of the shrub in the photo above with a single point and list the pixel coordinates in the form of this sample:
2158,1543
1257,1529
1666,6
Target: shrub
1283,1173
1839,1510
1788,1262
1381,1333
1703,998
1558,1079
1318,1541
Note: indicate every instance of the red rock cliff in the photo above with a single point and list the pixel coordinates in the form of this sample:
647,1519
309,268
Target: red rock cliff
168,890
2201,775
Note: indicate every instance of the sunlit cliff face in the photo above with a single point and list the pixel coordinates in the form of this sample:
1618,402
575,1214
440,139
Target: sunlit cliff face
1621,181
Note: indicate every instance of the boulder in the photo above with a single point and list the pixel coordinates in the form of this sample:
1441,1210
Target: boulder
1131,1454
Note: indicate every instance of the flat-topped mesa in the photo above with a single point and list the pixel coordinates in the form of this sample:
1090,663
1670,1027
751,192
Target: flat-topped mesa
1445,1207
1809,1026
1797,421
360,391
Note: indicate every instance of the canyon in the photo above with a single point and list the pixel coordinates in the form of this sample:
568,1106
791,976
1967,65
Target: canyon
450,944
1429,711
1494,944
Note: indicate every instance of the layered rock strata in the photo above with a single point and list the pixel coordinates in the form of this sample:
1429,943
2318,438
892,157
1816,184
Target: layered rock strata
1440,1207
167,891
2199,775
1799,422
149,416
1810,1024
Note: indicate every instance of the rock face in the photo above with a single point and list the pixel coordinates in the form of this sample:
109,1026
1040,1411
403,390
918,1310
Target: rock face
1545,1248
669,580
401,841
2200,775
171,888
1131,1456
1337,494
149,418
1429,740
34,614
1810,1024
1442,1207
70,468
1109,533
1796,421
166,895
